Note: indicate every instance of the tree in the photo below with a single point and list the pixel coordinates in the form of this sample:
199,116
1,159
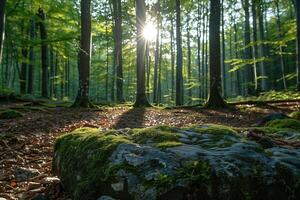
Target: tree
2,26
82,99
215,99
248,53
118,62
141,97
44,52
179,81
297,6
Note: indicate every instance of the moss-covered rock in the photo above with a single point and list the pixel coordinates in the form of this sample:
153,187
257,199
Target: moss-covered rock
199,161
10,114
284,124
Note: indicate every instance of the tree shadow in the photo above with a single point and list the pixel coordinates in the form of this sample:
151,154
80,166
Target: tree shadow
133,118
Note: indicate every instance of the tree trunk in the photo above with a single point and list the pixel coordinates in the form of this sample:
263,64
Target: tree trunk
141,97
189,61
82,99
282,61
179,81
223,51
2,26
297,5
248,53
44,53
118,61
172,59
31,58
156,58
215,99
262,48
23,71
255,50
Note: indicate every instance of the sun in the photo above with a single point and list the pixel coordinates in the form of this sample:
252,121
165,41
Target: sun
149,32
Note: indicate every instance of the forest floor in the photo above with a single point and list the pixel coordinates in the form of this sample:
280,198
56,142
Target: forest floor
28,141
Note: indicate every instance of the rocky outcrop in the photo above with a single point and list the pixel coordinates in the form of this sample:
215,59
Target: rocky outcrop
195,162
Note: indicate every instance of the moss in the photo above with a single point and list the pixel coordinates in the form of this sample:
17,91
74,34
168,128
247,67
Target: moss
213,129
156,134
10,114
164,145
284,123
90,148
295,115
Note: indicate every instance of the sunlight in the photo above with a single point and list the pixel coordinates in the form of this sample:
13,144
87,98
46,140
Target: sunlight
149,32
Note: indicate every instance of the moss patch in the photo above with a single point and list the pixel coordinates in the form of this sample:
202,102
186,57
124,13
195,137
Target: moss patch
90,148
213,129
164,145
156,134
10,114
284,123
295,115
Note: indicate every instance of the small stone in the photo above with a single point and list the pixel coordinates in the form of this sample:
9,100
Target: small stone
48,180
105,198
33,185
118,187
23,174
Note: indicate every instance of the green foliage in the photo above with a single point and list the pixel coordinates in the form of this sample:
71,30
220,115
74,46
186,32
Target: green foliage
10,114
284,123
295,115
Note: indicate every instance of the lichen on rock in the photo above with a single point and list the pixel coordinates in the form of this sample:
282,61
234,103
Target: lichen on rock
207,161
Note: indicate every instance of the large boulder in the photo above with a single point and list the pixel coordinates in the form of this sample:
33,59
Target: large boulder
195,162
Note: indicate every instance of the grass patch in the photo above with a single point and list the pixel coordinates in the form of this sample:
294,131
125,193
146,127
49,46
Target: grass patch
10,114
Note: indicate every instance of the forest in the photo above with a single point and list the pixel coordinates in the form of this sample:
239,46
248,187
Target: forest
149,99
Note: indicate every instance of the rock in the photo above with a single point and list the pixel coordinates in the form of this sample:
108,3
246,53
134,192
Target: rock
105,198
39,197
212,162
48,180
24,174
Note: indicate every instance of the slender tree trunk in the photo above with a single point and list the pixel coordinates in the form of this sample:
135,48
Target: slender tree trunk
172,60
156,58
297,6
179,81
215,99
190,90
223,51
2,26
118,61
82,99
204,50
107,55
281,51
51,72
199,48
159,85
141,97
262,48
44,53
23,72
31,58
248,53
255,50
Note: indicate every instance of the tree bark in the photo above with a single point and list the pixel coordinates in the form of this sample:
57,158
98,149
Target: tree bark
82,99
31,58
44,53
215,99
118,60
179,81
248,53
297,5
141,97
2,26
